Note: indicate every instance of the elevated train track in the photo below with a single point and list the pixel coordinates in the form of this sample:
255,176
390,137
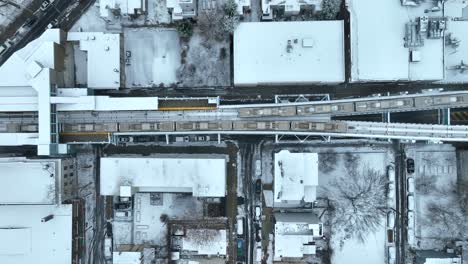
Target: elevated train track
308,119
342,129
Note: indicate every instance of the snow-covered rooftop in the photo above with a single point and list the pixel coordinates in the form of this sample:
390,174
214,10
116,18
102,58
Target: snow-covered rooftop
296,177
24,238
27,181
204,177
104,52
294,233
377,50
289,53
126,7
17,70
205,241
457,32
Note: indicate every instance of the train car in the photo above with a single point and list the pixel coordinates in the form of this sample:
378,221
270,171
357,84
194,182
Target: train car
196,126
29,128
267,111
90,127
9,127
366,106
325,108
440,100
318,126
268,125
147,126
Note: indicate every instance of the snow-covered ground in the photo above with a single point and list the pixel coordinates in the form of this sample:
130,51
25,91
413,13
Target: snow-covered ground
354,251
155,56
147,225
86,174
435,178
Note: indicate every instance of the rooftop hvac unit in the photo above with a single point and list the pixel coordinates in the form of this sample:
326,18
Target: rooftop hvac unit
415,56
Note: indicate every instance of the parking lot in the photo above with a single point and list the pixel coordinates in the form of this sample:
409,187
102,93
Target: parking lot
154,57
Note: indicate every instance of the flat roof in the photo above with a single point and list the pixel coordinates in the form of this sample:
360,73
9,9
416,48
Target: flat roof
204,177
27,181
25,239
205,241
292,232
296,177
377,50
289,53
104,50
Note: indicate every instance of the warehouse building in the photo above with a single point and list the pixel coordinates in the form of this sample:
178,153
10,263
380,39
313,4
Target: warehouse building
280,53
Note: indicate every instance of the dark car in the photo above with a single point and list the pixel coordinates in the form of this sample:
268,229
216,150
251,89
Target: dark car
258,186
240,249
410,165
30,21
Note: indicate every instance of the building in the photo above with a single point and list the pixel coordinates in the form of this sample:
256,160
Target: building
35,226
436,257
289,7
121,7
181,9
27,235
202,177
279,53
406,45
104,58
296,178
41,181
32,80
295,234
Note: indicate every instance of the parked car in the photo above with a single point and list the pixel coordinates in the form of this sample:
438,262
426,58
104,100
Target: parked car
5,46
240,249
410,185
258,186
46,4
410,202
240,225
391,255
410,166
258,213
391,220
108,248
30,21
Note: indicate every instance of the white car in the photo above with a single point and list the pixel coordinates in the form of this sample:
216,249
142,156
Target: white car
391,220
258,213
410,202
410,185
240,225
391,255
46,4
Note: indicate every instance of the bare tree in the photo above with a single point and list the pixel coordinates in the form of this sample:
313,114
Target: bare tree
447,217
327,161
358,202
218,23
330,9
